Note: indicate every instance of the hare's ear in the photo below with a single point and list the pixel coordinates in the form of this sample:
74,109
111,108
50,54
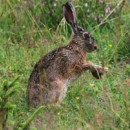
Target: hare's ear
70,15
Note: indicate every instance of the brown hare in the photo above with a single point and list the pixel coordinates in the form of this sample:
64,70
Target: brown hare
53,73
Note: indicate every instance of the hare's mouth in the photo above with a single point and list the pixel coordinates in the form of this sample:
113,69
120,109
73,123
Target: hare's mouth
91,49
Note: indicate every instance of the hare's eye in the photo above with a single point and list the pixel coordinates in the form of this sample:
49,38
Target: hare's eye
85,35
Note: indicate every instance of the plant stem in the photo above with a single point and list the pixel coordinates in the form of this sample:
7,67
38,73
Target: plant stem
2,119
37,111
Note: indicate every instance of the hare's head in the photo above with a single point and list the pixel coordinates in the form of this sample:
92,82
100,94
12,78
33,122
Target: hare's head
81,36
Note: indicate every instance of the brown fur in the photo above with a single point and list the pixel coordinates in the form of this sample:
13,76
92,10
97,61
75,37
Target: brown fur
47,80
52,73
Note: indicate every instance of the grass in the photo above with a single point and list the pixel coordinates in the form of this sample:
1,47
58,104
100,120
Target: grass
90,103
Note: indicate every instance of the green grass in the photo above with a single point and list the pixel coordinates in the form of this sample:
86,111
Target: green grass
90,103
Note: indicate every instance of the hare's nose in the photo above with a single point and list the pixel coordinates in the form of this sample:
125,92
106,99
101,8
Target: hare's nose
95,48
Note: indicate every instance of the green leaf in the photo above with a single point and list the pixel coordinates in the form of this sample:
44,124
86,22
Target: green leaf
13,82
9,105
10,92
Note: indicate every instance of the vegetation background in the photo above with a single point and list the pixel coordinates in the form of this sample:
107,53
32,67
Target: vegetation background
30,28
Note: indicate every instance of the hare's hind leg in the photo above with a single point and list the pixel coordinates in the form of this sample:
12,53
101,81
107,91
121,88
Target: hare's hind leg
57,91
33,95
49,93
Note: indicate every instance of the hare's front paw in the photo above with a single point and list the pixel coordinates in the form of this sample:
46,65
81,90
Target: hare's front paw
98,72
105,69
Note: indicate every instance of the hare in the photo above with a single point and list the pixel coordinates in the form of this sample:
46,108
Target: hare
53,73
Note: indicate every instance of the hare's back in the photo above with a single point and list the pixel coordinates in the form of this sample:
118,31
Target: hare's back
61,62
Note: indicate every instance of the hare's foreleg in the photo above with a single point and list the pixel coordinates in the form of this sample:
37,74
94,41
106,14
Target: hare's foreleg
96,70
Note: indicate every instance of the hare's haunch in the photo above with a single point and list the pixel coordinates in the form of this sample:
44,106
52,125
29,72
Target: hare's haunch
52,74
